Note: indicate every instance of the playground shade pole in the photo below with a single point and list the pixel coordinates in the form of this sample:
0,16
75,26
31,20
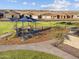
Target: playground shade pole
34,25
16,24
22,31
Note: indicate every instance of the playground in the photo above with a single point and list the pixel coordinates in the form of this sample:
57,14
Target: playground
27,30
24,30
31,31
9,26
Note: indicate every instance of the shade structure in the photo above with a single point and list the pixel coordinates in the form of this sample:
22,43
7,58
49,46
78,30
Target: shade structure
24,19
14,19
35,21
27,19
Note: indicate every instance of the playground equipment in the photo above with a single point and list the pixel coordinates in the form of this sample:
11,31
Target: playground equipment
20,32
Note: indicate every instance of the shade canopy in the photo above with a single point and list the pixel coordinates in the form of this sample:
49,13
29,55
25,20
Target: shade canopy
27,19
34,20
24,19
1,13
14,19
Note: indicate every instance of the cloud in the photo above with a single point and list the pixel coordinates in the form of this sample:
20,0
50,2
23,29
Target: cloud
33,3
76,0
58,5
48,5
76,4
24,3
12,1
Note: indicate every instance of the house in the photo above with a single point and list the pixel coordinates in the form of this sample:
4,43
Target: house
1,15
47,16
51,15
76,16
33,15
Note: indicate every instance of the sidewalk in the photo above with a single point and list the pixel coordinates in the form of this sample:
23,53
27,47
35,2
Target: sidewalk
42,46
74,41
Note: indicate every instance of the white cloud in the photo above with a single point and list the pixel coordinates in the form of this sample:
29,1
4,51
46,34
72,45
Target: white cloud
76,5
33,3
24,3
58,5
48,5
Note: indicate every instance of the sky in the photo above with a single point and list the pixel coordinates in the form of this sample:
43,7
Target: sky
54,5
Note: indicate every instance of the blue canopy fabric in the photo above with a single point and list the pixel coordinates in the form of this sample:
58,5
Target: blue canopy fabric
1,13
14,19
27,19
24,19
34,20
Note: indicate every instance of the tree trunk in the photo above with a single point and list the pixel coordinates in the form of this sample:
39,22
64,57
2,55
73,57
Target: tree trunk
59,42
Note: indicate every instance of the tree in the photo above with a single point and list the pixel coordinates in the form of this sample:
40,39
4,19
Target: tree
60,35
30,16
12,16
40,16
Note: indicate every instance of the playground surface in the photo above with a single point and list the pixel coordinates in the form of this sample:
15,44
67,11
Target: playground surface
43,36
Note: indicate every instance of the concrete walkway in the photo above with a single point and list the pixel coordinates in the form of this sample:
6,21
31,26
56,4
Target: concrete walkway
42,46
74,41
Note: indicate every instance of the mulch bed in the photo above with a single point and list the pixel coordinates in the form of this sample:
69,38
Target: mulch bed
44,36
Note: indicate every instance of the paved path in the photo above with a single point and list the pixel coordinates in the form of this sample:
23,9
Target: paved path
74,41
42,46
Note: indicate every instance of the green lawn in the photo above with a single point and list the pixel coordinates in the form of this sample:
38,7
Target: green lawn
9,26
24,54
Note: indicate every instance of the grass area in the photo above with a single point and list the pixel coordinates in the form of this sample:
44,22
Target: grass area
9,26
66,25
26,54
